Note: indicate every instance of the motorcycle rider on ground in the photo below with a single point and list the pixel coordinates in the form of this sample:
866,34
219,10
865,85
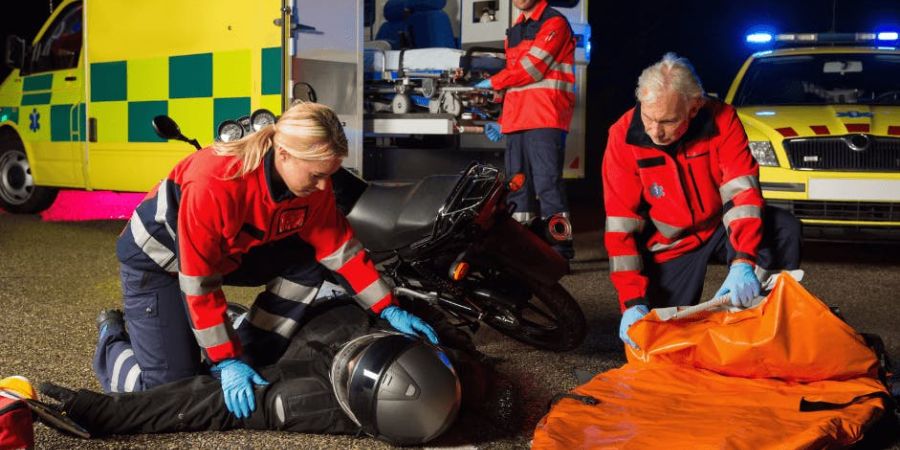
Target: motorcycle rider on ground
315,387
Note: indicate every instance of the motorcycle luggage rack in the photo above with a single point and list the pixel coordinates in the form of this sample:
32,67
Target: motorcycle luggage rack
473,189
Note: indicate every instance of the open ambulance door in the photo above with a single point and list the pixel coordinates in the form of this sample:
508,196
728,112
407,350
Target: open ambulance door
327,60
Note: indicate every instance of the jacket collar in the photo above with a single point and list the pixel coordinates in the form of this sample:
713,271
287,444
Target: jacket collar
535,14
702,126
278,190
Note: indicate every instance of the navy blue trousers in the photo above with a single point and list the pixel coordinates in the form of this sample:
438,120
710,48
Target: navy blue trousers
159,346
679,282
539,154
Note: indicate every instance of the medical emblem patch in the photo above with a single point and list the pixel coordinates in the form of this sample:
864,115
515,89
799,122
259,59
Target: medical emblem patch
657,191
291,219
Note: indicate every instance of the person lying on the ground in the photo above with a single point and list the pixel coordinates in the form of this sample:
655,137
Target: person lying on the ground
322,384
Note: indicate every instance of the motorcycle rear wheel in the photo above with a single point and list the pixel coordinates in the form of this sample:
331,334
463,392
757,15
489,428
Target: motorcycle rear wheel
544,316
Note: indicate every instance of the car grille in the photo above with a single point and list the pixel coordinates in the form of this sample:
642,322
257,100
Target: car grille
837,153
848,211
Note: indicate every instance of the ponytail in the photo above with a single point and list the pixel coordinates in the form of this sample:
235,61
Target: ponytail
308,131
248,151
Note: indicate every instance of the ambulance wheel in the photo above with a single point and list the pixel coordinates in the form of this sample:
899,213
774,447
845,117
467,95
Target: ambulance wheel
18,194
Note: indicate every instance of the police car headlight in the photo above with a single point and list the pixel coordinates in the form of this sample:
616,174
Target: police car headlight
262,118
230,130
764,153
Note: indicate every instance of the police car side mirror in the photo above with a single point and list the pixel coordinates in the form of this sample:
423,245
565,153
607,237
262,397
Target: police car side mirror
15,52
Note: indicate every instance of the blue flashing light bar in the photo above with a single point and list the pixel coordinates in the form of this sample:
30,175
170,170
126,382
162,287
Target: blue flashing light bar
759,38
766,36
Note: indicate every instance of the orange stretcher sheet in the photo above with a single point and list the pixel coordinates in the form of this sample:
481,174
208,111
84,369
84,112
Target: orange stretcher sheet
785,374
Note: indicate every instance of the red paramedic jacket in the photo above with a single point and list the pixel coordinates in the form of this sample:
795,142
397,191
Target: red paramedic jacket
197,223
539,77
709,177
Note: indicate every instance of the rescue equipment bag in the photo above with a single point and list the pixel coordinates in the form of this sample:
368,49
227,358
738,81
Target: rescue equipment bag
785,374
16,420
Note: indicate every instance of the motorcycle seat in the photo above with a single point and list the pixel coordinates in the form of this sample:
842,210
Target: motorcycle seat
389,216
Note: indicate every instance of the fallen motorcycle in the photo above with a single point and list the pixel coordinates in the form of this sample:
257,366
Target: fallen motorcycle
450,241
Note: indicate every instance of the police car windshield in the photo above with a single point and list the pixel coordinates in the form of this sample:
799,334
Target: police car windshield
823,79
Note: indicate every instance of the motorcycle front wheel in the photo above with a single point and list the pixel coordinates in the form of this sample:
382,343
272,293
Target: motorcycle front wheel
544,316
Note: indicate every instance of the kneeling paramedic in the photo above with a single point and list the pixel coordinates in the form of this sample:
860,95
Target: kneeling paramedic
681,187
340,374
257,211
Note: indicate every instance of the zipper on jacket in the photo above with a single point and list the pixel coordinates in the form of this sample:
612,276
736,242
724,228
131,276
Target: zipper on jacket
684,190
696,189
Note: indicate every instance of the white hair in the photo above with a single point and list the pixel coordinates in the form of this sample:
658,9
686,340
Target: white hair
670,74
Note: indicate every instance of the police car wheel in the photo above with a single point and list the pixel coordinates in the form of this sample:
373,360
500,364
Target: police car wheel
18,194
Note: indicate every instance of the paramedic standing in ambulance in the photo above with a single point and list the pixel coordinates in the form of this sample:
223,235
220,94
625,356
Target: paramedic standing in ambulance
538,88
681,187
257,211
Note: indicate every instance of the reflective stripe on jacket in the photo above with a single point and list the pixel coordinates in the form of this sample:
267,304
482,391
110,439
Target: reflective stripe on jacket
539,77
199,223
710,177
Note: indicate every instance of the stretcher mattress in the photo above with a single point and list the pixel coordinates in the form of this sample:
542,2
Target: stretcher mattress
786,374
429,61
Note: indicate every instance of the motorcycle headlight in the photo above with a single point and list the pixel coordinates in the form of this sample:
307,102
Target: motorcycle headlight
764,153
230,130
262,118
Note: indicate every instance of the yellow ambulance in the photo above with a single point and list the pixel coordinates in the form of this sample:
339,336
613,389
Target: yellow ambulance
76,109
822,114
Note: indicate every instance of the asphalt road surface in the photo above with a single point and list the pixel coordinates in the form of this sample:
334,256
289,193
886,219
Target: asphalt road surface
56,276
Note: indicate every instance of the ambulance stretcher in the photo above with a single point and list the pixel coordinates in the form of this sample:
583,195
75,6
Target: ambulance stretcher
428,90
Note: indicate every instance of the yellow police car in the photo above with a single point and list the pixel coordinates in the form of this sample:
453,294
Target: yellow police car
823,120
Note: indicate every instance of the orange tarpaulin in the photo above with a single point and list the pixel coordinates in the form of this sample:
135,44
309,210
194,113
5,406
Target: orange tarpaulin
785,374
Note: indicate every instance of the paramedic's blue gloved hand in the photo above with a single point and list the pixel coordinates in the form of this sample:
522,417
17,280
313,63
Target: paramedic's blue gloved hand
629,317
405,322
484,84
237,384
741,283
492,131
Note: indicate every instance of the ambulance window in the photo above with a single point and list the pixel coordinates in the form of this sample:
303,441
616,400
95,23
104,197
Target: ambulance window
60,46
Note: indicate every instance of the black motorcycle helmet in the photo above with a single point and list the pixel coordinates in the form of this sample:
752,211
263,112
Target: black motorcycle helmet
396,387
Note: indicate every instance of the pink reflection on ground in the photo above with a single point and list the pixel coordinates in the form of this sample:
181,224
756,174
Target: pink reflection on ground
71,206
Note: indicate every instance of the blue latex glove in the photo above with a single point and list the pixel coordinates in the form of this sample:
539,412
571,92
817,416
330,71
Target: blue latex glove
492,131
484,84
741,283
629,317
405,322
237,384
